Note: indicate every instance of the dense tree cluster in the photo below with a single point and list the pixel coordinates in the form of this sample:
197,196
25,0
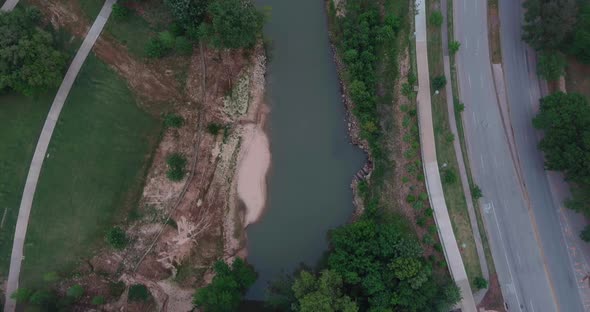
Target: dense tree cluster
372,266
227,288
225,24
29,60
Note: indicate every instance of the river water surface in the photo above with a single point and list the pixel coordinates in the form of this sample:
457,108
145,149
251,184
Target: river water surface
313,162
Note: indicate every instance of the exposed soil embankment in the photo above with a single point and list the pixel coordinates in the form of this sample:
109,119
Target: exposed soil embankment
178,229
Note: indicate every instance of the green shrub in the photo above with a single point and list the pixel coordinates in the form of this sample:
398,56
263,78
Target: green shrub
421,221
155,48
184,46
21,295
449,137
449,177
214,128
480,283
120,11
167,40
410,198
173,121
432,229
41,297
75,292
435,19
476,192
98,300
459,107
423,196
428,239
454,47
405,179
138,292
439,82
418,205
117,238
176,167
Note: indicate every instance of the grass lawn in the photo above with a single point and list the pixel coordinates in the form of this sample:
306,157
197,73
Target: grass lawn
95,170
91,8
133,31
454,196
21,120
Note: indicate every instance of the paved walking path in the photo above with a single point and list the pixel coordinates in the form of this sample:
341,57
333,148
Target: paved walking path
41,150
457,146
8,5
432,175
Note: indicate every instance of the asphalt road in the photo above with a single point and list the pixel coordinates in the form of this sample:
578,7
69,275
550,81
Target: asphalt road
523,95
518,257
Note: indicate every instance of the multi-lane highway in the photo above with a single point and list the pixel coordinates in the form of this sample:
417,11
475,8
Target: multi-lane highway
525,270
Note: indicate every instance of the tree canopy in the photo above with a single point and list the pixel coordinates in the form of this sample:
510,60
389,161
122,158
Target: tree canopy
227,288
188,13
549,23
551,65
234,24
580,46
29,60
323,294
566,121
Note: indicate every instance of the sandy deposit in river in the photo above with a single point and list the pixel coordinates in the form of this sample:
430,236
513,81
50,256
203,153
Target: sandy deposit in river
252,169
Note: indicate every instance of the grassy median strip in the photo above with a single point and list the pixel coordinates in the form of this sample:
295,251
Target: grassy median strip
461,138
447,159
94,170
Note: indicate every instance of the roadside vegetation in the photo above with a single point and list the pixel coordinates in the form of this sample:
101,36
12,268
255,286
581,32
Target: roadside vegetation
560,32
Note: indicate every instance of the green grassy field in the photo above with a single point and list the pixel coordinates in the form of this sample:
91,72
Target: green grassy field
21,121
454,196
96,165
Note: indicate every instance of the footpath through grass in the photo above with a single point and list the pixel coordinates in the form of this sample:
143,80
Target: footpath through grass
453,191
94,171
21,121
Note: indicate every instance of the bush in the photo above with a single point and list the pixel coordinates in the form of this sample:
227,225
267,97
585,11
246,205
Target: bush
167,39
428,239
410,198
435,19
119,11
117,238
138,292
173,121
116,289
454,47
184,46
155,48
214,128
476,192
176,167
21,295
421,221
480,283
585,234
439,82
41,297
75,292
459,107
98,300
449,177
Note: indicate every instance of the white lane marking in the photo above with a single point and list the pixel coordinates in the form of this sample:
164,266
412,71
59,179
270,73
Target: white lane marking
505,256
474,118
469,80
482,164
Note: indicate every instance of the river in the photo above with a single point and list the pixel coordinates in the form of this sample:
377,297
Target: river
313,162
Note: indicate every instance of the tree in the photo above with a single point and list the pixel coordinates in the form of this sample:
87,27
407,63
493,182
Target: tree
176,163
117,238
234,24
30,63
549,23
184,46
120,11
585,234
551,65
173,121
227,288
98,300
188,13
580,46
155,48
323,294
565,118
435,19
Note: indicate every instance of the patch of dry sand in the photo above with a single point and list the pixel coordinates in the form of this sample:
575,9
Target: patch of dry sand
253,165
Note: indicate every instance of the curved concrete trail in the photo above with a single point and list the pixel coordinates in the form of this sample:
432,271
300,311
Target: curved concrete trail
41,149
9,5
431,173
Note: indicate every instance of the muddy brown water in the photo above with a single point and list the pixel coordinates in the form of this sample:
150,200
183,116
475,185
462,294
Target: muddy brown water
313,162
